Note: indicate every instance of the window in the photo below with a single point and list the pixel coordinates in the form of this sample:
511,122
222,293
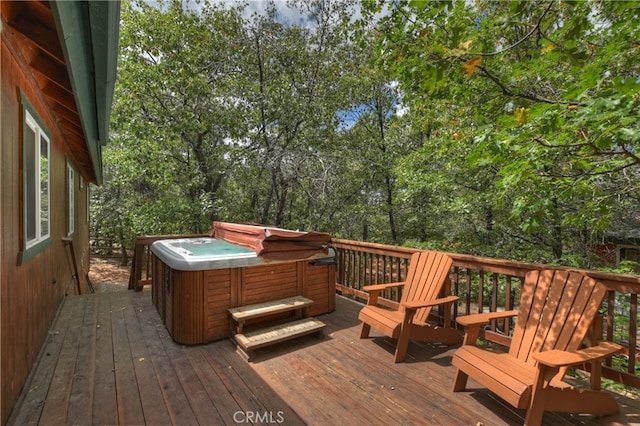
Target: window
71,199
36,172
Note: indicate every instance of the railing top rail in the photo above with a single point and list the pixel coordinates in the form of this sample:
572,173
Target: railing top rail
625,283
382,249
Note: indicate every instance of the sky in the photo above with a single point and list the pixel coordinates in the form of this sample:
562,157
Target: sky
287,15
260,6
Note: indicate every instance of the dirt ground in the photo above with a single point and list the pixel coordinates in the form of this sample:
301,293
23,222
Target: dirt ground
107,275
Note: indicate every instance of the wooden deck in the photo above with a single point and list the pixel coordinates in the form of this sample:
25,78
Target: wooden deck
109,360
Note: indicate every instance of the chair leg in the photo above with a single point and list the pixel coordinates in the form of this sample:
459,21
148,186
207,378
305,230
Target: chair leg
535,411
366,328
534,414
460,381
401,348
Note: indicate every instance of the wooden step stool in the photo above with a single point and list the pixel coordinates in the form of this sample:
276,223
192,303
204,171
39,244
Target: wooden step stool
252,340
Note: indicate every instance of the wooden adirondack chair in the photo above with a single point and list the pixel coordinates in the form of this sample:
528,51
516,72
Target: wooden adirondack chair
557,309
427,274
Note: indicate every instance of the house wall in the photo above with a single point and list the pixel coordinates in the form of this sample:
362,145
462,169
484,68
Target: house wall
31,293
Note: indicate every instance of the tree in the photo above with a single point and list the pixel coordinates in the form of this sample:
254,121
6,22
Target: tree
542,99
173,109
292,89
518,134
221,117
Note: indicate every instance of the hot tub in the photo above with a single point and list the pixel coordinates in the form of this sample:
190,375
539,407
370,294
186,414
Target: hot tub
196,254
196,280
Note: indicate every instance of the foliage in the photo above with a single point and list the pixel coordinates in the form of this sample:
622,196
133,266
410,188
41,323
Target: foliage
226,118
168,154
505,129
290,93
532,111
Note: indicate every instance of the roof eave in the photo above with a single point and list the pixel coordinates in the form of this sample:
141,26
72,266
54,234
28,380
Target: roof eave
88,32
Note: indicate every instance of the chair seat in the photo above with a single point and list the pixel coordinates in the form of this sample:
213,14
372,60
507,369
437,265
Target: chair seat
386,321
507,376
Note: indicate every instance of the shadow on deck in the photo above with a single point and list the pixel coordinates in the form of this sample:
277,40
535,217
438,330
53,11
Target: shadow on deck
109,360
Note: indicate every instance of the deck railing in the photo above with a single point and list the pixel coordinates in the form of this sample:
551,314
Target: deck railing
490,285
483,284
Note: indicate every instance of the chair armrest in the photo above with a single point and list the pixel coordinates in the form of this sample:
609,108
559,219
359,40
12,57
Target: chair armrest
484,318
380,287
557,358
427,303
375,289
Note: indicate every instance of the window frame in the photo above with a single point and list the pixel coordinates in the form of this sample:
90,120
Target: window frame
31,179
71,199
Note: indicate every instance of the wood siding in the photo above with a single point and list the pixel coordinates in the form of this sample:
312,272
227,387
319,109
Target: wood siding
220,291
30,294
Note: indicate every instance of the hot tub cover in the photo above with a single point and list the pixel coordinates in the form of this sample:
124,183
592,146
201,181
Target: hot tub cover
273,243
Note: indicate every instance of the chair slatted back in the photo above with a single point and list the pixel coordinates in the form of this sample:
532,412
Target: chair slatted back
428,271
556,310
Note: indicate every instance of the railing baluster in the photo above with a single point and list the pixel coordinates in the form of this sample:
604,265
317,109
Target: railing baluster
468,310
508,304
611,310
494,299
633,332
352,268
480,291
456,288
147,261
375,268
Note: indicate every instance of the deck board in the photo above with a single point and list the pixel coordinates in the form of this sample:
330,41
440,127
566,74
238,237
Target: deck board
129,405
56,403
105,404
173,395
223,402
81,398
151,399
41,378
109,359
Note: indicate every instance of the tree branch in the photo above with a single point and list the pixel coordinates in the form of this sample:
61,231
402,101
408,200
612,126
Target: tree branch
523,39
506,91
